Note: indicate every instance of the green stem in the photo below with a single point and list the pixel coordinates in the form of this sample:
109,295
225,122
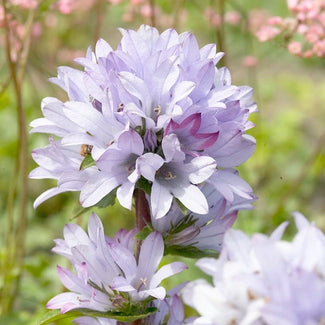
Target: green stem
17,256
220,33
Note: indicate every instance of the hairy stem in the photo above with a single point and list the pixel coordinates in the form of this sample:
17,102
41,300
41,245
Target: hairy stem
142,216
21,162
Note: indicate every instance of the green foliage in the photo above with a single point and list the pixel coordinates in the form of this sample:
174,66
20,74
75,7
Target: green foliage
87,162
55,315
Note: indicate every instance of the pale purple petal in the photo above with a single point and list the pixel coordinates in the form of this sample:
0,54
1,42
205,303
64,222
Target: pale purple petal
152,250
161,200
166,271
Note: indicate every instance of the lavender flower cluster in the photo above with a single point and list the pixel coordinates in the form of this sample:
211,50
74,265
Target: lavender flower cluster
108,277
156,115
263,280
156,111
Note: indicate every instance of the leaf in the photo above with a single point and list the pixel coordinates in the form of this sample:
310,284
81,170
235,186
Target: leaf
189,251
54,315
144,185
107,200
78,213
143,234
87,162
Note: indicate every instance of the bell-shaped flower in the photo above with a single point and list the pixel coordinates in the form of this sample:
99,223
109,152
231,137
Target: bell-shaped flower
108,277
203,231
263,280
174,177
115,166
141,279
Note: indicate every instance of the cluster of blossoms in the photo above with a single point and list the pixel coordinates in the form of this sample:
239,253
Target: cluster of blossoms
307,26
108,276
156,117
263,280
18,31
154,114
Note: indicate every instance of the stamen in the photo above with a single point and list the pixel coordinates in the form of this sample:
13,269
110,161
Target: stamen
120,107
130,168
157,110
142,283
85,149
170,175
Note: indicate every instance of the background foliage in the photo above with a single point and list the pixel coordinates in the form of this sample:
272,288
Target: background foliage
286,171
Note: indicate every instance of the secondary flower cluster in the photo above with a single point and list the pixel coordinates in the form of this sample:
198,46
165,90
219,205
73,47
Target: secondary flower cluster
307,25
155,113
108,277
263,280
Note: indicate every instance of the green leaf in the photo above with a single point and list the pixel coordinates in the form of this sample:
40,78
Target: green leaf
54,315
87,162
144,233
107,200
189,251
144,185
79,212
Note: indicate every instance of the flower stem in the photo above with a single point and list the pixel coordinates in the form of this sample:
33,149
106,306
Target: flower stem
142,213
142,218
153,15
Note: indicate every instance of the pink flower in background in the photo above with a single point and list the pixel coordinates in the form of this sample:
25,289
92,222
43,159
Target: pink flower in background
292,4
213,17
308,20
115,2
295,48
266,33
146,10
25,4
232,17
276,20
250,61
66,7
256,18
37,30
136,2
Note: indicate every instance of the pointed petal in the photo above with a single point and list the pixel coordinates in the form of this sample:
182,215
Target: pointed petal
152,250
148,164
124,194
166,271
192,197
161,200
203,168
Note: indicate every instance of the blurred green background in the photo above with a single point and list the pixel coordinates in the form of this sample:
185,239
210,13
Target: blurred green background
286,171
